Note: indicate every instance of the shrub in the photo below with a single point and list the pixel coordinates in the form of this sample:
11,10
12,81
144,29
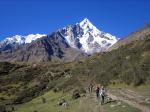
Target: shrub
76,94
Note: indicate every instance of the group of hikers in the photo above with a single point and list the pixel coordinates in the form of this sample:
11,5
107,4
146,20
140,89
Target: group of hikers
100,92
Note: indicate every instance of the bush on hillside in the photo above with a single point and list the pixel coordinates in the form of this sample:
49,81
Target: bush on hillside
76,94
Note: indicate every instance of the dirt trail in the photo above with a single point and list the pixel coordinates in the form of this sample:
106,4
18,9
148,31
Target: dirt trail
131,98
134,96
101,109
90,104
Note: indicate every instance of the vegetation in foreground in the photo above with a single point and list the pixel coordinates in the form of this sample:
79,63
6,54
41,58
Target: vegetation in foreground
22,82
83,104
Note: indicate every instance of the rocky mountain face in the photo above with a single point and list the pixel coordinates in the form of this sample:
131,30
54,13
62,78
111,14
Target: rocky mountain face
135,36
67,44
51,47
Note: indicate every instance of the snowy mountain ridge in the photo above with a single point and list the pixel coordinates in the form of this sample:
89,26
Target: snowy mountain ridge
19,39
86,37
22,39
83,36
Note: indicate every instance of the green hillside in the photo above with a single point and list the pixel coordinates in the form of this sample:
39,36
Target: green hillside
128,64
22,82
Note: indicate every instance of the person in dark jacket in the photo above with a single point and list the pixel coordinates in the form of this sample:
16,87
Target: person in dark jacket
97,92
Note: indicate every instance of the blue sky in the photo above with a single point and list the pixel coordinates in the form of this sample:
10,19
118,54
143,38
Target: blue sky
118,17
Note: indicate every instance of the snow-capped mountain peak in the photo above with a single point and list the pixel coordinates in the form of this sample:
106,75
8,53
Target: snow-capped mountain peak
88,26
86,37
85,22
16,40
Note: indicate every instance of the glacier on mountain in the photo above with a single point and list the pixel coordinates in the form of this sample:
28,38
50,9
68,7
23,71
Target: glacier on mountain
86,37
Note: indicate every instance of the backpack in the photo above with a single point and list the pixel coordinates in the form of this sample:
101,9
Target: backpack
102,93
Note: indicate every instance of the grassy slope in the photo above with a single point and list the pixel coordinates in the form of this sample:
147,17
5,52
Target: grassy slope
22,82
129,64
84,104
37,104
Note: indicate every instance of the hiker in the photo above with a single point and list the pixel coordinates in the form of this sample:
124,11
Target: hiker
102,95
97,92
90,88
